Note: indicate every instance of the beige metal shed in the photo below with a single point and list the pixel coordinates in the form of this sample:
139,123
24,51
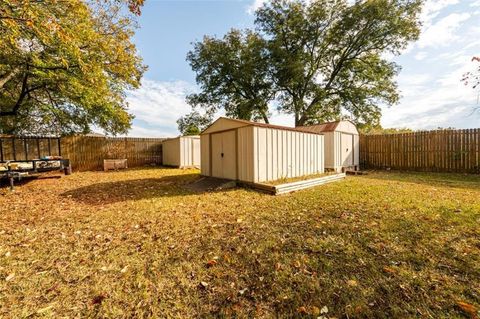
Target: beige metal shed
256,152
182,151
342,144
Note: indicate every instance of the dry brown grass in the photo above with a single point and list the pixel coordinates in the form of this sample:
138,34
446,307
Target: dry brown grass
138,244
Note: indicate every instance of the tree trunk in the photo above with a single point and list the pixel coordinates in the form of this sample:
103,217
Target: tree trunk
265,118
301,121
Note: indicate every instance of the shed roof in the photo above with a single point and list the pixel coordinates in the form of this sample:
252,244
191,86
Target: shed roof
342,126
181,136
242,123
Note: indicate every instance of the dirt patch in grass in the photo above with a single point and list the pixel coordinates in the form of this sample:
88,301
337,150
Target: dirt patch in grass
138,243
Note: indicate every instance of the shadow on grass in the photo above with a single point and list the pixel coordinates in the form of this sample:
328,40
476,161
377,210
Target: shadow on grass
453,180
136,189
4,182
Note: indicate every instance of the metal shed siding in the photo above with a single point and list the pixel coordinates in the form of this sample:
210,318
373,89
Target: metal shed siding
346,127
205,154
356,149
182,151
185,152
283,154
189,151
171,152
196,153
329,149
223,124
245,146
337,150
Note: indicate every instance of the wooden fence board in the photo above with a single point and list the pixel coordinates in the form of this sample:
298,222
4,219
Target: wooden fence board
432,151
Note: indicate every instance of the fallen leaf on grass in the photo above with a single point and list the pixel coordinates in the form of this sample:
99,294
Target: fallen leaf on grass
40,311
203,285
352,283
324,310
98,299
302,310
10,277
211,263
124,269
7,254
468,309
389,270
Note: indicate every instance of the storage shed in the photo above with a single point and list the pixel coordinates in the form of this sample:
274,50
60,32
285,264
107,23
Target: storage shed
182,151
257,152
342,144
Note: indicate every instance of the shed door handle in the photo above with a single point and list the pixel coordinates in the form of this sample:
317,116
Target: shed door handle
222,154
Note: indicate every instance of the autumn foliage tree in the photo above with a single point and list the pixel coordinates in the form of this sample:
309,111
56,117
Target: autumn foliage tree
66,65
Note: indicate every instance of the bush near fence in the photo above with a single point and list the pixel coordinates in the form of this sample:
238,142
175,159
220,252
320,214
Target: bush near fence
85,152
432,151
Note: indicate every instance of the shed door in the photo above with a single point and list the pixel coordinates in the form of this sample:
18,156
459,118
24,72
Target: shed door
224,160
347,150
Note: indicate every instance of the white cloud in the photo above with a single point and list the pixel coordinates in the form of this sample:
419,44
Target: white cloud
158,105
421,55
429,103
255,5
475,4
443,32
282,119
432,8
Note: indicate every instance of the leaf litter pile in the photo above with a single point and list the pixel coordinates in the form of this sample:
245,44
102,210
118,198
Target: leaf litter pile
138,243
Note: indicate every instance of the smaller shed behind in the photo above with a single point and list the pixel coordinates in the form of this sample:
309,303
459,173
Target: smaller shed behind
183,151
342,144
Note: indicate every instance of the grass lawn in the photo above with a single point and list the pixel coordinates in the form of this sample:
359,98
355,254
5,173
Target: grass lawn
138,244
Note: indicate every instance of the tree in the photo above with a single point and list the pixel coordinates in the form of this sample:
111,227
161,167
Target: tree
193,123
325,59
473,77
66,65
233,75
378,129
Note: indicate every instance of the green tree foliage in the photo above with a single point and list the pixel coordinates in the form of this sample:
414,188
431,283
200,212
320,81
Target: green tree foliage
233,75
319,60
65,65
378,129
193,123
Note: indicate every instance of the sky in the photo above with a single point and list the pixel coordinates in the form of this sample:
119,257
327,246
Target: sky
432,94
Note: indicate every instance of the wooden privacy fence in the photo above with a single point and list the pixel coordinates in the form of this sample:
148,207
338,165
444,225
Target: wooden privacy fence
85,152
27,148
433,151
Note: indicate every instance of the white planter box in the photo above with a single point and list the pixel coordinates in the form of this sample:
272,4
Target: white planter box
114,164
